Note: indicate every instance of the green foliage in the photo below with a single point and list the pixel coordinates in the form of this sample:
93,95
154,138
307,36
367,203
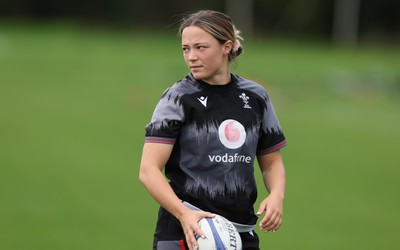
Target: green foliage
74,103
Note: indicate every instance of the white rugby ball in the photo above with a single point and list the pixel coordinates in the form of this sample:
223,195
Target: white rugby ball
220,234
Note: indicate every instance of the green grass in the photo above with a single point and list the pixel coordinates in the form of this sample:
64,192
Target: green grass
74,103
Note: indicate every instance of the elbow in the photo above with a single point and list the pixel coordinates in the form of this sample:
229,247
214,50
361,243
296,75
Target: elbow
145,175
142,176
149,173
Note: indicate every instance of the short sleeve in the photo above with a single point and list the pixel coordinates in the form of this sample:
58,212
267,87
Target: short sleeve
166,120
271,134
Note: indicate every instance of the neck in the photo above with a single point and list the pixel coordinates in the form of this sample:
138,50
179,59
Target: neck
219,79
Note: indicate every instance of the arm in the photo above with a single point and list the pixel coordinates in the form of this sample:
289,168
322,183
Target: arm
274,177
154,158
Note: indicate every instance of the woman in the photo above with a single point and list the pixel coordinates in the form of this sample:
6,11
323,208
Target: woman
205,133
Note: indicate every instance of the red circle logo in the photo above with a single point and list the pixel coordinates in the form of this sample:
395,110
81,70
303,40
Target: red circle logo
232,134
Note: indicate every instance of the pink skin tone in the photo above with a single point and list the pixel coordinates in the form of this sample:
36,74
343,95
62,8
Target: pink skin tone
207,59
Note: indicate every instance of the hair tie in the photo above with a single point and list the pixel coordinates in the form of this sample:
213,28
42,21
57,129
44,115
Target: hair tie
237,45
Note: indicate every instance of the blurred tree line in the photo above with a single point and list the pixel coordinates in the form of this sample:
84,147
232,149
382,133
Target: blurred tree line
376,19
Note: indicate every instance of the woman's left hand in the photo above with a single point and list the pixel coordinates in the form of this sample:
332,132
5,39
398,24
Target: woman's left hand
273,208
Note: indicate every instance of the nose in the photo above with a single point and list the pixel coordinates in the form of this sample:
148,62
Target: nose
192,55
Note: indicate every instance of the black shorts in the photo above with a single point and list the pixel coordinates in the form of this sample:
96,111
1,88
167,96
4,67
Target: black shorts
169,234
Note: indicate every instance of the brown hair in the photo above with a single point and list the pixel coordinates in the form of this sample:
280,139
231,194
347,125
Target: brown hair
219,25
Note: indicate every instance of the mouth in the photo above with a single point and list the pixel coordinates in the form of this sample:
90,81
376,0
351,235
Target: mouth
195,67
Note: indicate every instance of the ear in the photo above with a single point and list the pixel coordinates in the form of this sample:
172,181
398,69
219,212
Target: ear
227,47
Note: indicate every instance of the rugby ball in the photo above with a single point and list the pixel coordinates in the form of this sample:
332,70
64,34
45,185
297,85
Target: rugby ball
220,234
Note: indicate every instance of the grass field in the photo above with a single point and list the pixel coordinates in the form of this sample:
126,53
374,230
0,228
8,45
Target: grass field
74,102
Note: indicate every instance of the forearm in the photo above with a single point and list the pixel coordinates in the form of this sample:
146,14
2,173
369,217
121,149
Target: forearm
275,179
273,172
158,187
154,159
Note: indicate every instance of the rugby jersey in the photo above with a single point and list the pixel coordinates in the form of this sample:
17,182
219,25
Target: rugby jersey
216,132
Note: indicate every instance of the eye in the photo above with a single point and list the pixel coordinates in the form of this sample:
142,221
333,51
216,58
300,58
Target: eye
201,47
185,50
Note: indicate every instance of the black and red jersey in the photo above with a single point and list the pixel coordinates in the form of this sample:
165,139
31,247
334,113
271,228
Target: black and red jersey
216,130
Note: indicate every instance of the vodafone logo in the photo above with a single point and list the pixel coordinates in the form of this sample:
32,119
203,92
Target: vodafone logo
232,134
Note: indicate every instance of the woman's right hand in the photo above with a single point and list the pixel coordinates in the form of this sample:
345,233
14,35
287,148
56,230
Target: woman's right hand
189,221
154,158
